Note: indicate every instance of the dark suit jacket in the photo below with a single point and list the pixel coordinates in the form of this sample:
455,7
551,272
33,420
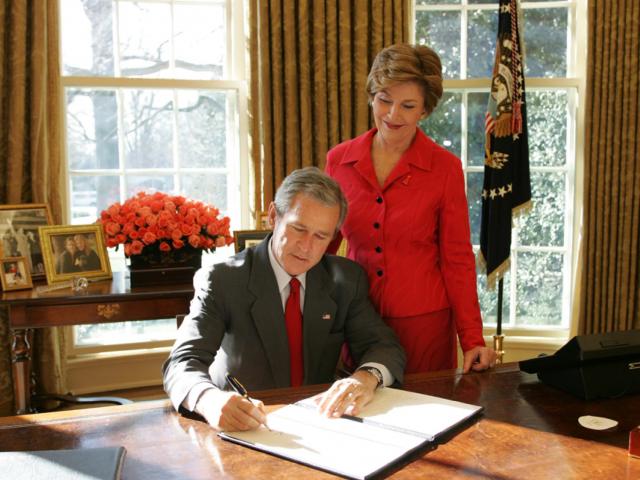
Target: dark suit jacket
236,324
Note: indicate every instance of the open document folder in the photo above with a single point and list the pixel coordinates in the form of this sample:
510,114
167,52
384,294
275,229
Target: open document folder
395,424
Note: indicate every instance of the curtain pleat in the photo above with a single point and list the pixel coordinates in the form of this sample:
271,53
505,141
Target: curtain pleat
31,164
309,64
610,284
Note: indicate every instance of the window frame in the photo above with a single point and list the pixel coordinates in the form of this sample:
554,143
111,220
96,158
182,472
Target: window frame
574,83
238,187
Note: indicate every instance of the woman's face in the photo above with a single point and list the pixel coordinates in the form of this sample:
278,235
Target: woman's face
397,111
80,242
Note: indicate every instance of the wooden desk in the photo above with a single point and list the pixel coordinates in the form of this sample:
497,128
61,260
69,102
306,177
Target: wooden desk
528,431
103,302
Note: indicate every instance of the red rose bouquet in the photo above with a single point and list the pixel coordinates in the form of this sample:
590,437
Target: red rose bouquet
160,222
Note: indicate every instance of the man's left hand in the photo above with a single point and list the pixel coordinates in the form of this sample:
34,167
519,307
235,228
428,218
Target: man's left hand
478,359
348,395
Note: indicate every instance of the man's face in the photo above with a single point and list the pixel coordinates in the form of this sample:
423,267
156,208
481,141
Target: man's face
70,245
303,233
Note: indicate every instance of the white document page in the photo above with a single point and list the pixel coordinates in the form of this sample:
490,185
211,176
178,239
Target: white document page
392,425
422,414
346,447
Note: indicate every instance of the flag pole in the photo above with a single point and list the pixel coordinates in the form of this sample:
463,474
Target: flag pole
506,188
498,338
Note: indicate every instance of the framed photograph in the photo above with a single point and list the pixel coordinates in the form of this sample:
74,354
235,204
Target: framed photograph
14,273
19,235
74,251
248,238
262,220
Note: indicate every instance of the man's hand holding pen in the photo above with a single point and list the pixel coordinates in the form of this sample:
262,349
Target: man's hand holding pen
230,411
235,411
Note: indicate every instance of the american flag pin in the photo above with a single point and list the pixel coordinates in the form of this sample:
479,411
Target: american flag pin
326,316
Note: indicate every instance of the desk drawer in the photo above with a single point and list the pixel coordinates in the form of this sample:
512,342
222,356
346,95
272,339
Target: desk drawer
97,312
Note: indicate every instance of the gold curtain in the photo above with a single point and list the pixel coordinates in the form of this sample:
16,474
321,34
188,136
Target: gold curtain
31,166
610,298
309,62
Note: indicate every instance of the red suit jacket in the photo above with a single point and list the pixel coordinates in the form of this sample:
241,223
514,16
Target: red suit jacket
411,235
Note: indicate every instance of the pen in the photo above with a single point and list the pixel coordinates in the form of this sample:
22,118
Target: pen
240,390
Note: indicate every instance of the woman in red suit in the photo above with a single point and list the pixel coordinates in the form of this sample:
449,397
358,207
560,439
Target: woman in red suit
408,223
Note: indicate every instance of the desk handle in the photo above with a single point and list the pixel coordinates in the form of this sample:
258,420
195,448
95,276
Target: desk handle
108,311
634,365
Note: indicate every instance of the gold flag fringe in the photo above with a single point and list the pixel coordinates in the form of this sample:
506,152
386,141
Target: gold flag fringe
498,274
518,211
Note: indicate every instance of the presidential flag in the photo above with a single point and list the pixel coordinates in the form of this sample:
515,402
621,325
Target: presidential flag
506,190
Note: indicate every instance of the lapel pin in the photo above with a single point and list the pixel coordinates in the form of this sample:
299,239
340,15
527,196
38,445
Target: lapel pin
406,180
326,316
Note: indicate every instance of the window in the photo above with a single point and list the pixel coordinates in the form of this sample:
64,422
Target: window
154,99
463,32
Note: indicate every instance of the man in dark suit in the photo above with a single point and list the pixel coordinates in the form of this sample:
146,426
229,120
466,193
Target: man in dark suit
239,320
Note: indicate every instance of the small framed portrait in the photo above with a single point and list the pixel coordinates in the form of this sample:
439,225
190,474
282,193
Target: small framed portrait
248,238
14,273
74,251
262,220
19,235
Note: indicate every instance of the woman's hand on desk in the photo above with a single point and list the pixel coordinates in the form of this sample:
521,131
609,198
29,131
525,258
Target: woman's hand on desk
230,411
478,359
347,395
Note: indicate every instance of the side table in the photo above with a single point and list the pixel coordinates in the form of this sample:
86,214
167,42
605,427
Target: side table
103,302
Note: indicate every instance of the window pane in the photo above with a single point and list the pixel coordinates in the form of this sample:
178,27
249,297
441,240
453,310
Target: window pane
482,34
435,2
545,34
148,118
141,183
539,288
544,224
87,37
144,39
441,31
489,300
444,125
202,128
203,131
191,44
125,332
547,117
195,26
474,199
92,129
476,110
90,195
210,188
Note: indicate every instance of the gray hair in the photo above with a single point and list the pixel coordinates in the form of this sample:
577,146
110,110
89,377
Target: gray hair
316,184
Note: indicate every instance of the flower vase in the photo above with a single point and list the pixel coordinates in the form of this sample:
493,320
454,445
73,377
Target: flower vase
155,267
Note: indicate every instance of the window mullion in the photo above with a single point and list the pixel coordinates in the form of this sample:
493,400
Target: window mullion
122,171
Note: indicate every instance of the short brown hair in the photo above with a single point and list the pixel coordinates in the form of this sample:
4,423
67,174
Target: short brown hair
403,62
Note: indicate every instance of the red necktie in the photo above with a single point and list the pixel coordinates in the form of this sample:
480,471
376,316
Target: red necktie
293,318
